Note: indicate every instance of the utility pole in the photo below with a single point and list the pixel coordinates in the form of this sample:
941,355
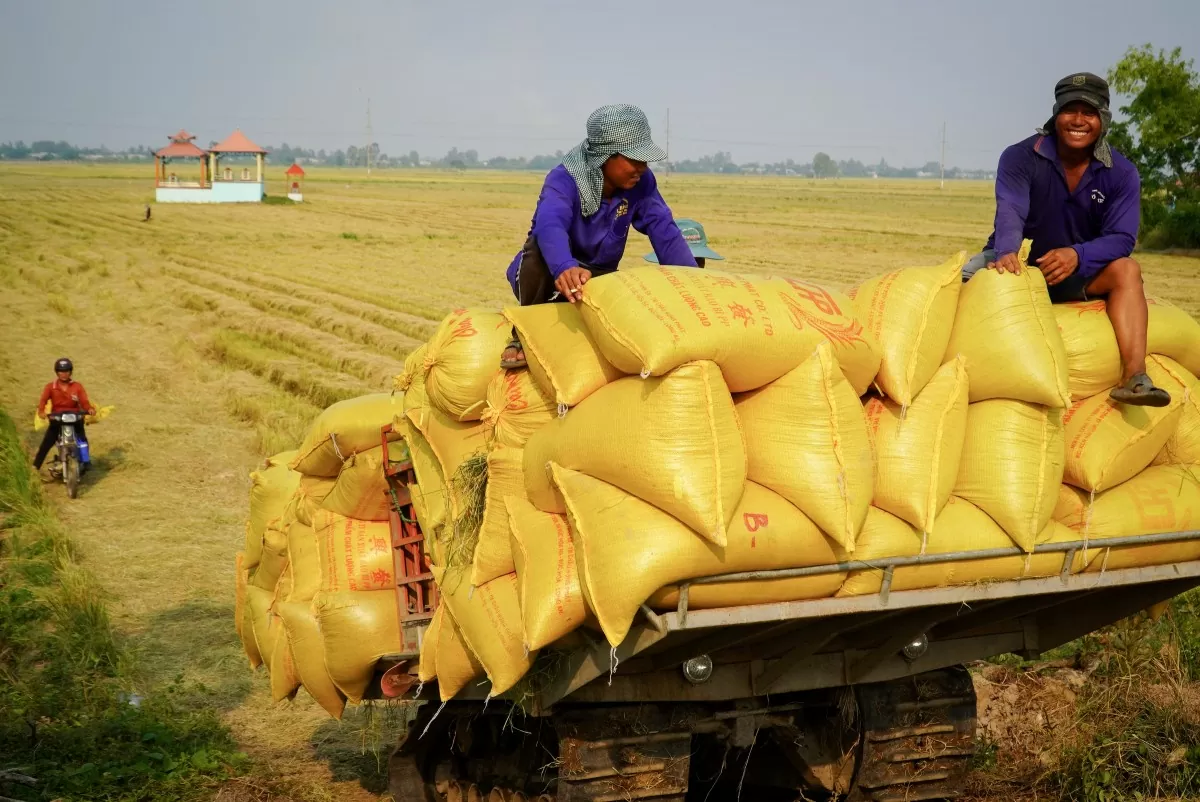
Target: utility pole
943,186
668,167
369,136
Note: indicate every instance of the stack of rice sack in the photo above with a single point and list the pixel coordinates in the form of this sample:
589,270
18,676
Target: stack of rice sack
317,598
679,424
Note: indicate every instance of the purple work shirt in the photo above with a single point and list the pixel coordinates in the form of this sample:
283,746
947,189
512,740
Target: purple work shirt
566,238
1099,219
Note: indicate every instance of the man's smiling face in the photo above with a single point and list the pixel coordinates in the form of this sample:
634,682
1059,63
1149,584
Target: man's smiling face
1078,126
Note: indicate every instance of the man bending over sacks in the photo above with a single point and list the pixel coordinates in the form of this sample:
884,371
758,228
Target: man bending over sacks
1080,202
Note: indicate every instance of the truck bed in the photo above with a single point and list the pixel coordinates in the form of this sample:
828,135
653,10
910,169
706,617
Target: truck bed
830,642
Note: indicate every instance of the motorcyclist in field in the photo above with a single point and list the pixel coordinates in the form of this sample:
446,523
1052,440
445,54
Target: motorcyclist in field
65,395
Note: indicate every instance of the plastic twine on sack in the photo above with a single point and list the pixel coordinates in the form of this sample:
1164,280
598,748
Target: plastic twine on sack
1028,564
562,410
645,374
420,687
490,417
924,542
613,662
336,449
430,724
1087,525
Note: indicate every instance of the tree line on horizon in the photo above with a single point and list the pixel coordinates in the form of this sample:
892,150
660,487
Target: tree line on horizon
721,162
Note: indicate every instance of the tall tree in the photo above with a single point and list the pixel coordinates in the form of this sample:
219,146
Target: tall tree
1161,135
824,166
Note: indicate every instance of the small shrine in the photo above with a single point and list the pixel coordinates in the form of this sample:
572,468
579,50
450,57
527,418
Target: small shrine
216,183
295,179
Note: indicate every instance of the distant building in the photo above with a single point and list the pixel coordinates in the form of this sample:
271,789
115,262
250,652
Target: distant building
295,178
215,184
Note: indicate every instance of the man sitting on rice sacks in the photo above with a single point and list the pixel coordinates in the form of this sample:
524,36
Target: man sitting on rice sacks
1079,201
583,215
697,242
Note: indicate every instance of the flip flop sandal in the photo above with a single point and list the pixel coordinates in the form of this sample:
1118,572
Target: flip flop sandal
1139,391
519,362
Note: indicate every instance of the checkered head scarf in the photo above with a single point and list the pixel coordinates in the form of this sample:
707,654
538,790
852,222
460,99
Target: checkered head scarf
615,129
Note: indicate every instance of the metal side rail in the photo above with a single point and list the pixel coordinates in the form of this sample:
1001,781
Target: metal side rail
1059,607
888,564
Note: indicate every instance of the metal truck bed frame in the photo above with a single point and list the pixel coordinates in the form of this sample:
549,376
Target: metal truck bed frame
782,647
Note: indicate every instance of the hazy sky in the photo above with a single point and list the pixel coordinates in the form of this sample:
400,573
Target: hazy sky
765,80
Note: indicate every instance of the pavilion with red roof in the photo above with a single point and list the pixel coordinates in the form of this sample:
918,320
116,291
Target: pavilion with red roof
216,184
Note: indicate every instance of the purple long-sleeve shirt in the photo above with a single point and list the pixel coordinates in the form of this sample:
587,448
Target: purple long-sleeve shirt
567,238
1099,219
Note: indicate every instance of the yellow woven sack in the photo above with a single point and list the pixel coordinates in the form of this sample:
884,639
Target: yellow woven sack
1108,442
355,555
271,488
755,591
251,547
415,396
345,428
457,667
310,497
547,579
516,407
429,493
452,443
651,320
806,439
963,527
493,553
361,489
1162,498
414,368
461,358
672,441
626,549
427,662
910,312
917,450
304,560
264,628
1173,332
563,358
357,628
1093,359
489,620
1005,327
249,642
1183,446
308,655
273,561
242,621
285,679
1012,465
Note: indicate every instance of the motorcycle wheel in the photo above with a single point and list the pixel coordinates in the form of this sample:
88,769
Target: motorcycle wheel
71,475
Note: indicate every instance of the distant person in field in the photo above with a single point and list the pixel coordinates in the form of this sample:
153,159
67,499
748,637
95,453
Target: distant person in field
1080,202
64,395
697,242
583,215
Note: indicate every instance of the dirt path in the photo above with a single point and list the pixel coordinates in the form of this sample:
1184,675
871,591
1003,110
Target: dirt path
160,517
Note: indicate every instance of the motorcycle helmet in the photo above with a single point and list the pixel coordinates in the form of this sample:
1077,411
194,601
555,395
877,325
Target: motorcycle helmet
63,364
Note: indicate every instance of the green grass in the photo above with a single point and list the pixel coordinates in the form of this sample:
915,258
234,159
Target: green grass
69,715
